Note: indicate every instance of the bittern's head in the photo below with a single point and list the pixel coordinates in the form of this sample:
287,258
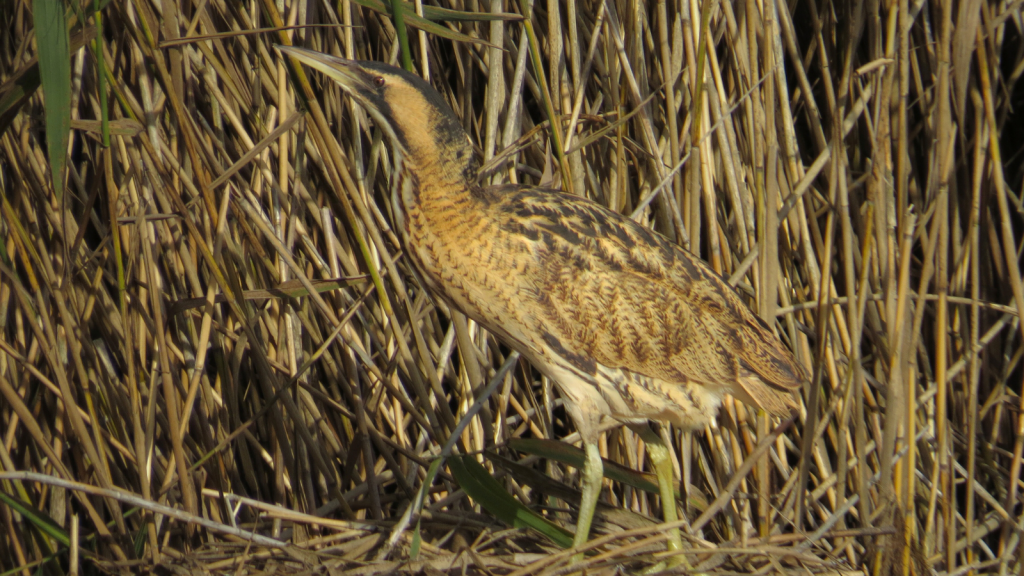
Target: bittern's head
421,127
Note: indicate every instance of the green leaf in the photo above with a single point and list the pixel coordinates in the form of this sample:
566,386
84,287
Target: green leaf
41,521
417,542
398,18
288,289
478,483
573,456
424,23
436,14
55,76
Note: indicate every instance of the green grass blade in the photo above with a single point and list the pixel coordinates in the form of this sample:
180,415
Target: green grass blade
40,521
417,542
55,77
573,456
398,17
478,483
415,21
437,14
546,97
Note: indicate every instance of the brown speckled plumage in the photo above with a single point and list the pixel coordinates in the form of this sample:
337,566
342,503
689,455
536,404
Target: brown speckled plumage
578,288
628,324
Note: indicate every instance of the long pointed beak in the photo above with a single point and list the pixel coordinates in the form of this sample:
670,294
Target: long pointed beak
346,73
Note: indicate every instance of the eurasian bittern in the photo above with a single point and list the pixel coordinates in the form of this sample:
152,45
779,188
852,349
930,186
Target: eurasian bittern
626,323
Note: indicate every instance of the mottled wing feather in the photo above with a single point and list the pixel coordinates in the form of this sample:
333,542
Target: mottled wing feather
751,390
629,298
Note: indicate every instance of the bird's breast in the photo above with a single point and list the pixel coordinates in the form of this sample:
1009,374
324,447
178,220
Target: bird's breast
463,255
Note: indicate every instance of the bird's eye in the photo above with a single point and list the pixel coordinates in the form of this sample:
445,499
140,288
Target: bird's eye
378,81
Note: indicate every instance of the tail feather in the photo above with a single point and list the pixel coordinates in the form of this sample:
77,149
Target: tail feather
753,391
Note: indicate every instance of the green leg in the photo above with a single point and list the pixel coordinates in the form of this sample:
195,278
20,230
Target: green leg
662,460
593,474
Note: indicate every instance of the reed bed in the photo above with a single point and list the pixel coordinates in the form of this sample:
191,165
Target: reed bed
215,359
